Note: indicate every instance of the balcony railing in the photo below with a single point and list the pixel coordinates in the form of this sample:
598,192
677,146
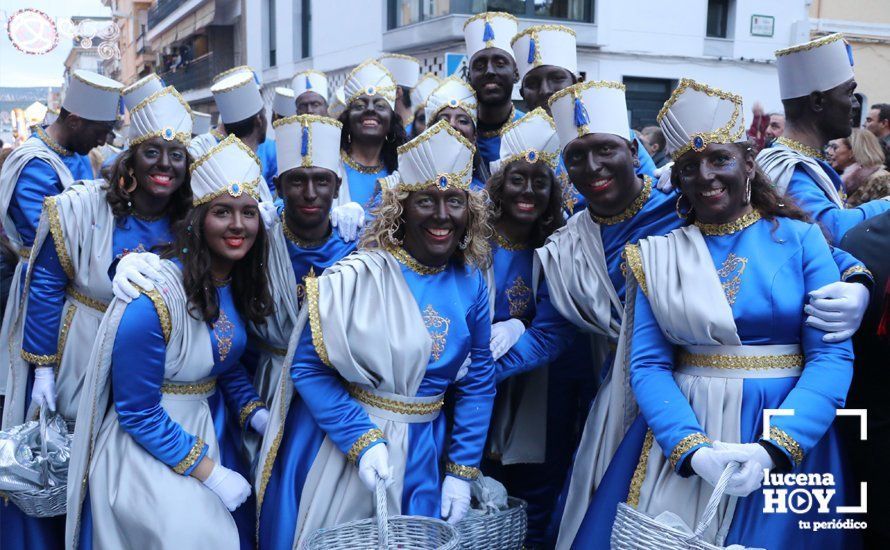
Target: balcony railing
198,73
161,10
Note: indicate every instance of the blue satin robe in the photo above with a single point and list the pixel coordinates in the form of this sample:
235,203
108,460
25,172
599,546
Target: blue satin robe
268,156
489,143
312,261
136,378
782,266
323,407
363,187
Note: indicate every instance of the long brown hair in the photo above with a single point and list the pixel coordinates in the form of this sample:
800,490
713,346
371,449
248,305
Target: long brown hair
120,201
550,220
250,283
394,138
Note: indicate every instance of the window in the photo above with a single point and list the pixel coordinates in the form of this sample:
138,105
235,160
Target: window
718,18
269,38
645,97
303,22
406,12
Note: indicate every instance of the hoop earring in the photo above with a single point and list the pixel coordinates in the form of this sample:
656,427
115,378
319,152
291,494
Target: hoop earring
748,191
680,213
465,242
121,182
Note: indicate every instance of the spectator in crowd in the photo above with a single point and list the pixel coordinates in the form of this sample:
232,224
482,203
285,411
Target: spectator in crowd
774,129
759,124
860,159
839,154
654,140
877,121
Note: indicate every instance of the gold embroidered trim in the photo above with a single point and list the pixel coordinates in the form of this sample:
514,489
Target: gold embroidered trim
686,444
406,259
247,80
197,388
801,148
25,253
437,327
233,70
498,132
487,15
384,90
399,56
631,210
98,305
115,88
50,206
519,295
52,144
63,332
308,119
182,137
292,237
538,28
217,134
723,229
361,168
467,103
781,438
854,270
190,458
636,482
810,45
42,360
532,156
635,261
224,142
248,409
698,87
223,330
235,189
315,320
464,472
169,90
745,362
161,308
368,398
507,245
140,83
575,89
732,265
431,131
363,442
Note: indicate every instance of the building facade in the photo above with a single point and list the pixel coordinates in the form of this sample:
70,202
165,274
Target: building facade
137,58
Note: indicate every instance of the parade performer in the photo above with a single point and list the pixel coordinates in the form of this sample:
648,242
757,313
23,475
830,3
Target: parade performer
421,92
413,297
816,82
146,468
455,102
311,92
718,335
405,70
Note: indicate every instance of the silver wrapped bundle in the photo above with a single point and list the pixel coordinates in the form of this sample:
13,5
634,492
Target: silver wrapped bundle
25,466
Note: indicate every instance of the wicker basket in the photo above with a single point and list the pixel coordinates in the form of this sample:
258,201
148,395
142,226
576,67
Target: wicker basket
635,530
410,532
497,529
41,503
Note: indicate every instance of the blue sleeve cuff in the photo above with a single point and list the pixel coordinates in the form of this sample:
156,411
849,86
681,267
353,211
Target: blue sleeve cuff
366,441
188,464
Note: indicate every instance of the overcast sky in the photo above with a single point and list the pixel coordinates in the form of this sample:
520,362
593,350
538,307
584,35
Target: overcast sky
19,69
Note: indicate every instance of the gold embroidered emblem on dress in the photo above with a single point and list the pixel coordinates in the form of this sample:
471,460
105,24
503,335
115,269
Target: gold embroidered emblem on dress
730,274
569,200
518,296
223,331
301,287
438,327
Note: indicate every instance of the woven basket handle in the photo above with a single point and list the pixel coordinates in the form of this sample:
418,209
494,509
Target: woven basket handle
382,515
43,450
714,501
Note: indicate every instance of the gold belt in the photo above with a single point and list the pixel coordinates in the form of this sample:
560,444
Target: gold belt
364,396
189,389
746,362
86,300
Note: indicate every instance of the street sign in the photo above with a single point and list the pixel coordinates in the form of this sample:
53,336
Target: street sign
456,64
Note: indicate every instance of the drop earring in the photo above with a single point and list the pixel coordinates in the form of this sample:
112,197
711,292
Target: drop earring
748,191
465,242
680,214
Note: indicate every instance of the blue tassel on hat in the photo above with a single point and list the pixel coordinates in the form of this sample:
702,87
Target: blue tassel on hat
849,53
581,116
304,142
488,34
120,105
308,83
531,50
256,78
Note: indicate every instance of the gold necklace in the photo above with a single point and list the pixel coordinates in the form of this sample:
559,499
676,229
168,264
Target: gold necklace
801,147
292,237
495,133
507,245
721,229
359,167
631,210
221,282
408,260
145,218
53,144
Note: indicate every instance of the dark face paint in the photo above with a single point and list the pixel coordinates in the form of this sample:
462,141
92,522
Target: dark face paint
542,82
601,167
435,222
492,75
714,182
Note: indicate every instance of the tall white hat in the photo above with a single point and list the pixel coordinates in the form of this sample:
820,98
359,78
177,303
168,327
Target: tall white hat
696,115
545,45
228,167
308,140
200,123
439,156
310,80
451,92
370,78
337,103
240,69
424,87
141,89
164,114
404,68
237,97
532,138
593,107
816,66
490,29
284,102
92,96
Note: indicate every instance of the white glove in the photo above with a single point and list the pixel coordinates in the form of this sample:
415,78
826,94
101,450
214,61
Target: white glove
504,335
837,308
664,178
260,421
139,268
348,218
373,464
229,486
44,390
455,499
709,462
269,213
749,477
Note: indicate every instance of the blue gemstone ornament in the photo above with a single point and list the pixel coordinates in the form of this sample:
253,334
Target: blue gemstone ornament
698,143
443,182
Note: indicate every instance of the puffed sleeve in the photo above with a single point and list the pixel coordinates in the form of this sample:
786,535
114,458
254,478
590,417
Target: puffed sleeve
665,408
548,336
474,394
837,221
239,393
335,411
37,180
828,367
46,299
137,374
